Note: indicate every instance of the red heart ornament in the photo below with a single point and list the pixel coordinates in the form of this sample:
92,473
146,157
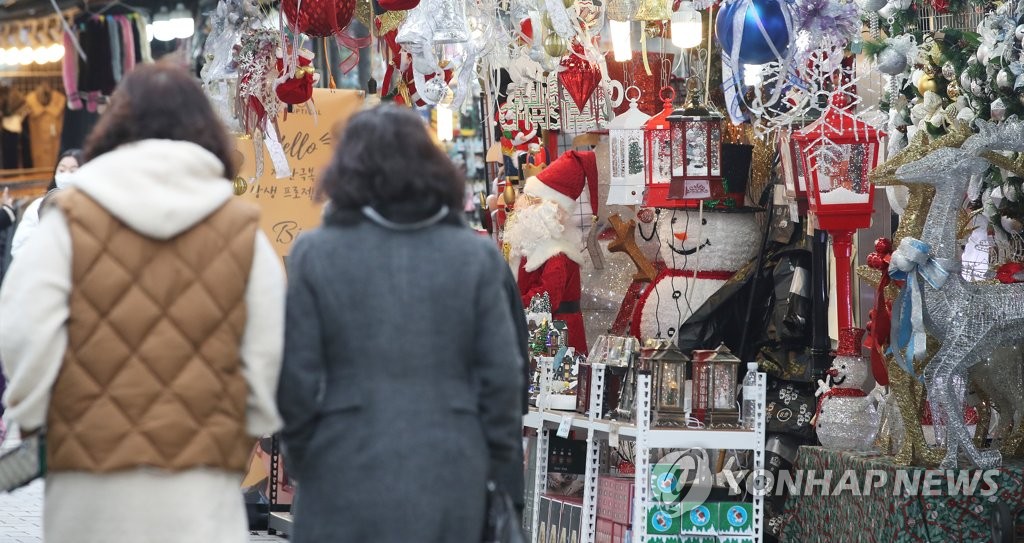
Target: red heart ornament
319,18
580,77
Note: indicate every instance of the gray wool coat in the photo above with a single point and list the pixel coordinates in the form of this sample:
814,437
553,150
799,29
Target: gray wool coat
401,388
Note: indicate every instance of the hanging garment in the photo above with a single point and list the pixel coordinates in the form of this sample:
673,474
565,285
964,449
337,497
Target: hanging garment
46,120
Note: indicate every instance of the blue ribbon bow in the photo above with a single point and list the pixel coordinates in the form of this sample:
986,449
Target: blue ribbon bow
911,262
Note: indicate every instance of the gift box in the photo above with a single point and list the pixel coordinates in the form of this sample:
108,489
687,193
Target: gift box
604,531
619,534
666,486
662,521
735,518
615,499
545,517
566,455
613,376
700,520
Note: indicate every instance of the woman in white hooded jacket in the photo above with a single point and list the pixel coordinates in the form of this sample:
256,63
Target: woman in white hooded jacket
67,164
142,326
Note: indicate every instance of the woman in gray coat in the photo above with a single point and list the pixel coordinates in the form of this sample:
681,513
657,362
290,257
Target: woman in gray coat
403,371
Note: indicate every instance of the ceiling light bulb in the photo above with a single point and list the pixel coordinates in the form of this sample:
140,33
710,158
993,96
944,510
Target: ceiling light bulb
182,23
41,55
621,47
163,29
686,27
26,55
56,52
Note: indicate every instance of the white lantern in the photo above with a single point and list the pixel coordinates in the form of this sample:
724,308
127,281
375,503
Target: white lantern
626,149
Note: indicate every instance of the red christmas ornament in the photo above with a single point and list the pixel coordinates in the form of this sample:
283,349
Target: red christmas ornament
883,245
398,5
579,76
298,89
319,18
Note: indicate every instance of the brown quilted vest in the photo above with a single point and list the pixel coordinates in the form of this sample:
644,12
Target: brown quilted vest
152,373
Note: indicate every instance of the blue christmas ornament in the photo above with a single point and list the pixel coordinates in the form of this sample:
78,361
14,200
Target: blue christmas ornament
754,49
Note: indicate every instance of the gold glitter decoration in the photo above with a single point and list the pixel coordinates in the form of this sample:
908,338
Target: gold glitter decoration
1004,162
761,167
389,21
364,11
918,148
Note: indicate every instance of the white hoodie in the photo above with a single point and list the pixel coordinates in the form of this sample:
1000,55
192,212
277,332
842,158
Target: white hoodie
160,189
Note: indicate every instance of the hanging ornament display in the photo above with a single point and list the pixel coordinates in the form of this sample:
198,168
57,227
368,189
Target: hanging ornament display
319,18
555,46
653,10
579,77
826,25
632,71
297,87
760,27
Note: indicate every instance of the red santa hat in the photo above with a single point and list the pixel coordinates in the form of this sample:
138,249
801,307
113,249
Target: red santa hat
564,179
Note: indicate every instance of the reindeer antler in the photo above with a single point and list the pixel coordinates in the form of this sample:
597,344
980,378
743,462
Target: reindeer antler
918,148
625,242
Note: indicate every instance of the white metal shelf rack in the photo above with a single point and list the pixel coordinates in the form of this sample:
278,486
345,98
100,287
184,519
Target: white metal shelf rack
645,438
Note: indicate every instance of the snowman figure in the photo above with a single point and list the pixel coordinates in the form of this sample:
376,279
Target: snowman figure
700,249
847,417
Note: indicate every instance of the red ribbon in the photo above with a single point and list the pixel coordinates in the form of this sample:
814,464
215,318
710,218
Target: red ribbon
1007,273
346,40
837,392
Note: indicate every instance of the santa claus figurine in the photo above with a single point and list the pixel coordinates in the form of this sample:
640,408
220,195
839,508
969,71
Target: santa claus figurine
544,243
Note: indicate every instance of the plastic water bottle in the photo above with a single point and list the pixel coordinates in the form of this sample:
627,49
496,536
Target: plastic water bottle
749,411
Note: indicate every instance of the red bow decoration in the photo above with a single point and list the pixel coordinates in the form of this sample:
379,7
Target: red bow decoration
1011,272
880,324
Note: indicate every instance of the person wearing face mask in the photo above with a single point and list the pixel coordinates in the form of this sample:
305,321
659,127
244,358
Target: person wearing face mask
67,165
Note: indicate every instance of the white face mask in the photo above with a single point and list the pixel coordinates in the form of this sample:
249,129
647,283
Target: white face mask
63,179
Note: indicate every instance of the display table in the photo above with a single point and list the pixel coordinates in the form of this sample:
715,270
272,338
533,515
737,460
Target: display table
891,514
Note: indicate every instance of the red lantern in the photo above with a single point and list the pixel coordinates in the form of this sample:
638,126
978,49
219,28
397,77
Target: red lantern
658,152
579,76
838,152
696,154
793,169
319,18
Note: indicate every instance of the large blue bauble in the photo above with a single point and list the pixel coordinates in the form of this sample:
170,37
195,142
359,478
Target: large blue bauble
753,49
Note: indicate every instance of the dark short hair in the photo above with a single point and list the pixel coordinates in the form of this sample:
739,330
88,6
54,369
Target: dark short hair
73,153
384,157
161,101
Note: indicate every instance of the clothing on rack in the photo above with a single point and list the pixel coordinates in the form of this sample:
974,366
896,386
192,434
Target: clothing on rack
46,120
15,149
113,44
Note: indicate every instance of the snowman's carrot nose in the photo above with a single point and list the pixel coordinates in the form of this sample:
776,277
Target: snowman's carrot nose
681,236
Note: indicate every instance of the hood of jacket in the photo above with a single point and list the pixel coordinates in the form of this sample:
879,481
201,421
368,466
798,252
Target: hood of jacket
159,188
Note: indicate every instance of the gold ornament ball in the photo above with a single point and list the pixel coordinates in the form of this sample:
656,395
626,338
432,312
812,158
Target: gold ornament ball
568,3
926,83
555,46
239,185
953,90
